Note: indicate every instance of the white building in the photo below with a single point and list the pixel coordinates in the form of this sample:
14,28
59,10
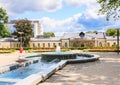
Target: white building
36,26
37,29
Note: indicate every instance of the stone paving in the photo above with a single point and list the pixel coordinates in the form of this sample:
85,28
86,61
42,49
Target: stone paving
106,71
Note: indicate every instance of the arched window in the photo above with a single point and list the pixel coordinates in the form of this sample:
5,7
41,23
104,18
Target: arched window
54,45
43,44
108,44
17,45
100,44
48,44
114,44
59,44
74,44
91,45
66,45
82,44
38,44
33,44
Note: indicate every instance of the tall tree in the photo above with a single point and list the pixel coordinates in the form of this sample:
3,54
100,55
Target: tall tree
23,31
110,8
111,32
4,32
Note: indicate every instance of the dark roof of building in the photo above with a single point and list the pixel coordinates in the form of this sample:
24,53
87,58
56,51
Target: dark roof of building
71,35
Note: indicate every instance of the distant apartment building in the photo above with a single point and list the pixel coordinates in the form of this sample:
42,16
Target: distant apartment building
36,26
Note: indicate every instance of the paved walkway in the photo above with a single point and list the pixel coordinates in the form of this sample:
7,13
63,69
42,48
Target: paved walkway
9,58
106,71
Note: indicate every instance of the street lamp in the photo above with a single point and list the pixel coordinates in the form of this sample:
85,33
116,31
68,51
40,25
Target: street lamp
20,38
118,40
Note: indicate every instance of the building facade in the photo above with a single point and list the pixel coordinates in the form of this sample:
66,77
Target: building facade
67,40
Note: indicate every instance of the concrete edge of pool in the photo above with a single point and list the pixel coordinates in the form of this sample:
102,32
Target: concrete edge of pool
40,77
16,65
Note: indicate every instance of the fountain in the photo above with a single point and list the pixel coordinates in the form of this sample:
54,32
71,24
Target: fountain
58,50
37,68
58,55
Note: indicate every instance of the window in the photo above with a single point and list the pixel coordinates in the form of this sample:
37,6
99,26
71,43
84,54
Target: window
82,44
108,44
75,44
59,44
17,45
91,45
100,44
48,44
114,44
33,44
54,45
43,44
38,44
66,45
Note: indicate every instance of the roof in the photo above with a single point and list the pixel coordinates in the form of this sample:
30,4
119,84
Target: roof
112,37
87,35
46,39
7,39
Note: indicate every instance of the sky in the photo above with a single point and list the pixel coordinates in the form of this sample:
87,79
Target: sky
60,16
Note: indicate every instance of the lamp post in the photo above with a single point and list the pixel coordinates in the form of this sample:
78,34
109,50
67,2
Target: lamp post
20,38
118,41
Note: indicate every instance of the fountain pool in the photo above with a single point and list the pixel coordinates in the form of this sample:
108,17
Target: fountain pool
39,67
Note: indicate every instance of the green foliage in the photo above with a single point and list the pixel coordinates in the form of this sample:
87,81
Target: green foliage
111,32
95,31
102,50
3,16
48,34
4,32
6,51
78,48
92,31
110,8
89,32
23,31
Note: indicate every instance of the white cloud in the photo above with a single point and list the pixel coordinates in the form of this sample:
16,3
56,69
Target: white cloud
23,6
91,10
61,26
79,2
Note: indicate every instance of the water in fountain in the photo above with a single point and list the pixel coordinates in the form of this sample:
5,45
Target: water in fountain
58,55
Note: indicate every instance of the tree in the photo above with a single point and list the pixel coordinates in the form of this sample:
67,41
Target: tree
23,31
89,32
48,34
110,8
111,32
4,32
92,31
95,31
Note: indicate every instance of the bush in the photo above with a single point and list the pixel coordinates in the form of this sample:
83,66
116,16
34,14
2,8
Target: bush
78,48
103,50
6,51
65,49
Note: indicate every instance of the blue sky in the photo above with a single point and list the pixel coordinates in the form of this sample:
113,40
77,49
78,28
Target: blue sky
60,16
